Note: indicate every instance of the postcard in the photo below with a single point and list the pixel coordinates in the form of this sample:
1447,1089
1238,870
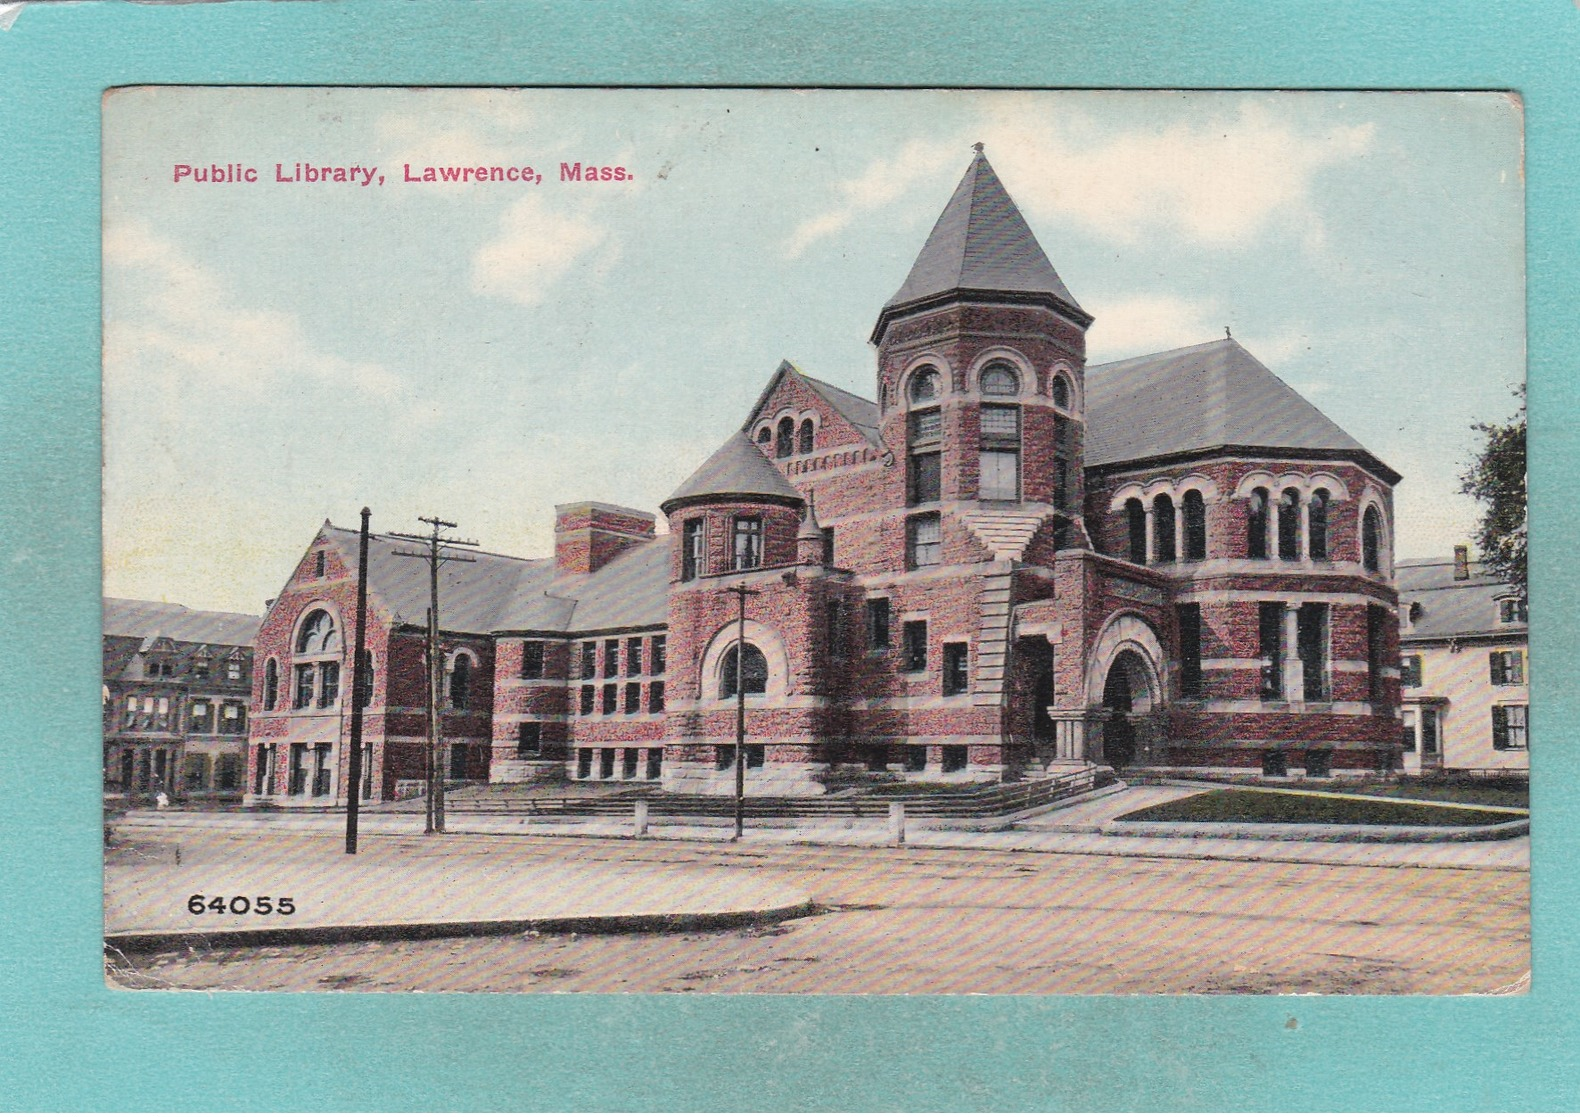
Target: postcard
814,541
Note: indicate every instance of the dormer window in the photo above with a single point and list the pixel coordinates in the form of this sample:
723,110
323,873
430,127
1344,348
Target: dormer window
1511,610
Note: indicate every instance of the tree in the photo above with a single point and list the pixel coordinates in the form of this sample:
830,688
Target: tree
1497,480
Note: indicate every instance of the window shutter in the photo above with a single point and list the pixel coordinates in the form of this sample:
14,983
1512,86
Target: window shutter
1517,668
1500,728
1495,669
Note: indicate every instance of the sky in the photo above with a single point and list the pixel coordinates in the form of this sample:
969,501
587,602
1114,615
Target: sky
281,353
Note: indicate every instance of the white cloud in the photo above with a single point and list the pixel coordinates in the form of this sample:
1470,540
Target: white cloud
175,319
1129,327
1219,182
534,248
882,182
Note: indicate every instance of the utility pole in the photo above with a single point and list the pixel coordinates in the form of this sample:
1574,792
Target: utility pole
435,766
359,689
741,594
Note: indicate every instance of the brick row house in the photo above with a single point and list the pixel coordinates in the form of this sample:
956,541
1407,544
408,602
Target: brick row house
177,684
1465,666
1005,563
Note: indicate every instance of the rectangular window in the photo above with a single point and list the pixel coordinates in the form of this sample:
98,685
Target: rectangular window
262,773
878,624
633,698
633,656
233,671
913,634
530,744
232,719
304,686
587,699
660,651
1061,461
748,551
957,679
611,658
655,698
321,773
655,764
1377,622
836,629
693,557
590,660
1429,731
628,759
611,697
926,477
328,684
1410,671
1311,640
1000,475
163,720
1507,668
1508,728
1270,647
1000,423
200,718
1511,610
532,659
1190,651
298,776
200,668
954,758
828,546
1407,735
923,545
926,426
583,764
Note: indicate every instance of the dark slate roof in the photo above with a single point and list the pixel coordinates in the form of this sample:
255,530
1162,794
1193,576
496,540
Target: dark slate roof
981,243
1203,397
631,591
472,595
859,413
152,619
1447,608
737,468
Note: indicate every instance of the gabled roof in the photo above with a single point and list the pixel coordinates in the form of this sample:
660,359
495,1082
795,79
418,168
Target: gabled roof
737,468
859,413
981,246
472,595
1206,397
1447,608
151,620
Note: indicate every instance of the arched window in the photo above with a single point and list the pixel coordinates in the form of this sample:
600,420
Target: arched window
1061,393
1256,525
460,682
1163,528
804,446
1317,518
271,684
755,673
1195,526
1371,540
318,635
765,436
924,384
1136,522
1000,380
784,444
1289,525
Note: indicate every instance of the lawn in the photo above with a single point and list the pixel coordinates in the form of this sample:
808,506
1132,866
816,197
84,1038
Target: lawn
1499,793
1269,806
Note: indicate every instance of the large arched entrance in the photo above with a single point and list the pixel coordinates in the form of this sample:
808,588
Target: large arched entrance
1125,687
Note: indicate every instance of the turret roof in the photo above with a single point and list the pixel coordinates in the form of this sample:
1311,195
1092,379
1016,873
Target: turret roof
981,245
737,468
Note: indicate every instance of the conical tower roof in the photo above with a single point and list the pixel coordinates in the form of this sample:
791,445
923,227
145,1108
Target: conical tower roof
736,469
981,247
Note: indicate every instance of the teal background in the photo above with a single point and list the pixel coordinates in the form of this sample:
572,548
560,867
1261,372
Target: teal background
66,1042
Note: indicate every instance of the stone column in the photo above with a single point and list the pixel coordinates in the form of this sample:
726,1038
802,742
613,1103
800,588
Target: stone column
1077,736
1151,533
1294,674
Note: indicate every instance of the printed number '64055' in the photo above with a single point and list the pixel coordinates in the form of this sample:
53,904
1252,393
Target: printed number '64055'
199,904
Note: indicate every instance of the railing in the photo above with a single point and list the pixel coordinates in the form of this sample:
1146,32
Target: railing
992,801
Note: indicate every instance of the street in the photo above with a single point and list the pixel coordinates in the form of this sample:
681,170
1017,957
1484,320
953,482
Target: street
909,921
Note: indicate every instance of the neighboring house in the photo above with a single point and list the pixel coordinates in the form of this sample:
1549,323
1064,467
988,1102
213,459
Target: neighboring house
1463,645
176,688
1006,563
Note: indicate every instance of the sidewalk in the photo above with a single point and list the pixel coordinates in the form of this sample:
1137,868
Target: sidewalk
1072,830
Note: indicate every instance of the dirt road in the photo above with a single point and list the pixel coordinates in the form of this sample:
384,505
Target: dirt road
933,921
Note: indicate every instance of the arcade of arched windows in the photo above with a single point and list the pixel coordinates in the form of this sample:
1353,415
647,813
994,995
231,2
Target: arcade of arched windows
788,434
1166,520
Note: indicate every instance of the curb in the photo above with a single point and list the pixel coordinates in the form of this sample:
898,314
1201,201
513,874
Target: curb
146,941
1286,832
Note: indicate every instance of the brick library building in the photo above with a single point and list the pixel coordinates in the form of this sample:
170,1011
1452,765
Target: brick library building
1004,564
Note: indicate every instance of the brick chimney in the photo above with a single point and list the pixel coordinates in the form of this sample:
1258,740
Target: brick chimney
587,535
1461,563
